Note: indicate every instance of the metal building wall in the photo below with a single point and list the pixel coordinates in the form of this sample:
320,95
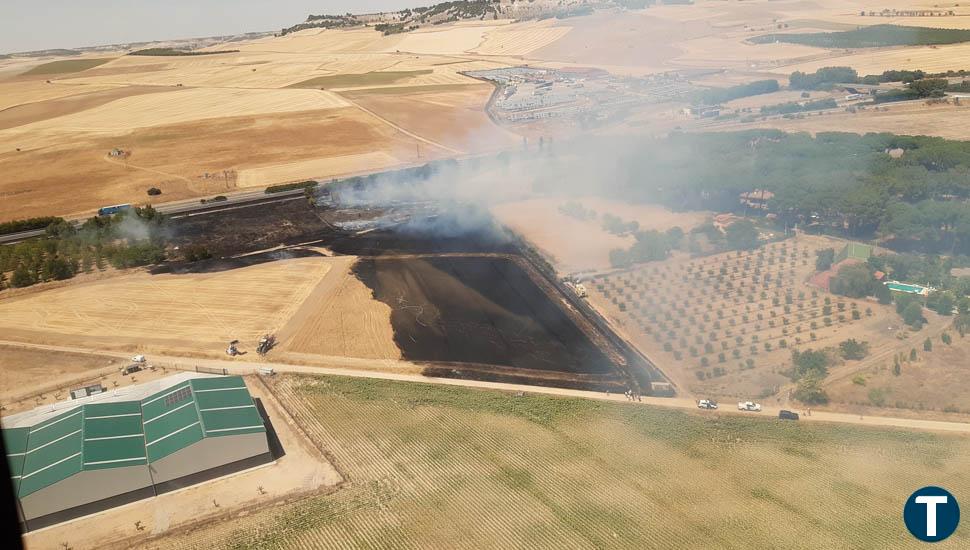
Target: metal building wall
211,452
85,488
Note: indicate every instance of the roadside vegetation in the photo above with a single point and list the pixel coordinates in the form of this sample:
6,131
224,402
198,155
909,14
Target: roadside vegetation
796,107
17,226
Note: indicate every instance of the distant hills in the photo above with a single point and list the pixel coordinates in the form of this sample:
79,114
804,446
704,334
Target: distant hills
446,12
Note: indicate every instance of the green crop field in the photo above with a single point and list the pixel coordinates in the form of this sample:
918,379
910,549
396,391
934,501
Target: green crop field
381,78
874,36
66,66
445,467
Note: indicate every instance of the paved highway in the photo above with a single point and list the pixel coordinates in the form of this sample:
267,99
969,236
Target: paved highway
182,208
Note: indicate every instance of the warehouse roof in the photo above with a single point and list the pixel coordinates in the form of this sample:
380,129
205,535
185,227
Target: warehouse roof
111,434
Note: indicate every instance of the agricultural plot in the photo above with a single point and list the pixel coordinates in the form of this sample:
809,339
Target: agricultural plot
910,118
452,113
196,312
183,106
484,318
358,80
442,467
66,66
725,325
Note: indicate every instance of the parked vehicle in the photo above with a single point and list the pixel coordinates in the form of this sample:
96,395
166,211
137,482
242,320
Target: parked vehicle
707,404
130,369
109,210
749,406
138,358
787,415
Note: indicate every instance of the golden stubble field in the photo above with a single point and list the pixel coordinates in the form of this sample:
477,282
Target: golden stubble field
432,466
193,313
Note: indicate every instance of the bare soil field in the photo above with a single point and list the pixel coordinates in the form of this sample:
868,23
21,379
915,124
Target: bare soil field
303,471
26,371
725,333
443,467
582,245
195,312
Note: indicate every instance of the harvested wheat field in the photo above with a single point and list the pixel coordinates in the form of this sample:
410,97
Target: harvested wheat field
431,466
946,120
315,168
193,312
452,115
928,58
88,97
185,105
35,91
341,318
174,158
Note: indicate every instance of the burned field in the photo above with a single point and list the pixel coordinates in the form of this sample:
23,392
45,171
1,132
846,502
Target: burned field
483,317
466,299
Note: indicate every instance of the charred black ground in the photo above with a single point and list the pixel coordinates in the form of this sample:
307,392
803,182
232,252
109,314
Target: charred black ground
468,299
482,311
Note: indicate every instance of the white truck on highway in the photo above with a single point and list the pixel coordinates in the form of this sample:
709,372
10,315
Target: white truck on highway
749,406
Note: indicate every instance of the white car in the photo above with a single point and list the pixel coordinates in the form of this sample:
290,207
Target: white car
138,359
707,404
749,406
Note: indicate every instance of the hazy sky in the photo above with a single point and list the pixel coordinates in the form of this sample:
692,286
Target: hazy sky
44,24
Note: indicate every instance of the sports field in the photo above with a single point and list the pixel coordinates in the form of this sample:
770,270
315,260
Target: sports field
432,466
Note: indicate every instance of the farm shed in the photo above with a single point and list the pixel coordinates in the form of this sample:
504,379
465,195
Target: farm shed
79,457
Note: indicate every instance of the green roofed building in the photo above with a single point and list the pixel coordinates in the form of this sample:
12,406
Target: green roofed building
855,251
79,457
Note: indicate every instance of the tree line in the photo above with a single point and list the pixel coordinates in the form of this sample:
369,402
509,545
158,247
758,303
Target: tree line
834,182
827,77
126,239
713,96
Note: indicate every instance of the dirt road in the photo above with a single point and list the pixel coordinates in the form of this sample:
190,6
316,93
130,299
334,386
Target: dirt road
349,366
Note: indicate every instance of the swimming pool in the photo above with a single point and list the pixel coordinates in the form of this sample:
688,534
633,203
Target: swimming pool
907,288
